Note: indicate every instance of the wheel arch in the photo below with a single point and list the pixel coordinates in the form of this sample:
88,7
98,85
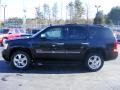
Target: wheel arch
99,51
27,50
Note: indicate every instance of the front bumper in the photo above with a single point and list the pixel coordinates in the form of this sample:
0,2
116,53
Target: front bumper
6,54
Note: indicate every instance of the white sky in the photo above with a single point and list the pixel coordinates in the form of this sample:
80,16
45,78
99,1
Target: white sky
15,7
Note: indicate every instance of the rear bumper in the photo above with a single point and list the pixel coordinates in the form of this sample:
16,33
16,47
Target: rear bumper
111,56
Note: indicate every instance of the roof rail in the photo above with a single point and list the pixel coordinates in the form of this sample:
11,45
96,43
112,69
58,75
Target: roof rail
72,24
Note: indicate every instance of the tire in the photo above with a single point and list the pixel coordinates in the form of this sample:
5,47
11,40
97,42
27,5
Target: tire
94,62
20,60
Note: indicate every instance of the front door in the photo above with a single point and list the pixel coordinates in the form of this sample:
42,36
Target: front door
51,43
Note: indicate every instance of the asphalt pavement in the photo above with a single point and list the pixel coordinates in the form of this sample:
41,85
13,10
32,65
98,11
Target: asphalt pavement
60,77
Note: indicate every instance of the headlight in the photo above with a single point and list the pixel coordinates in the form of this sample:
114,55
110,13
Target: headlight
5,45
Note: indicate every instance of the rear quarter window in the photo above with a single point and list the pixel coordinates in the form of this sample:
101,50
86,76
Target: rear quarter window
98,32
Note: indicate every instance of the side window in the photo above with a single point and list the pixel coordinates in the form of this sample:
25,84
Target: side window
16,31
77,33
21,31
11,31
54,33
94,33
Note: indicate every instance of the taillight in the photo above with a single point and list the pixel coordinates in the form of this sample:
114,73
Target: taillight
115,46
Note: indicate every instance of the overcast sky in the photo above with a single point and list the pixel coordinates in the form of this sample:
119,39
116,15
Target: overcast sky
15,7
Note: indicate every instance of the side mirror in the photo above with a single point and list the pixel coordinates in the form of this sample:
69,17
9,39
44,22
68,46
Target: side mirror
43,36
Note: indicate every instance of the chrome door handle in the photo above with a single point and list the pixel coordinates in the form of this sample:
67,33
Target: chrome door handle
85,43
53,45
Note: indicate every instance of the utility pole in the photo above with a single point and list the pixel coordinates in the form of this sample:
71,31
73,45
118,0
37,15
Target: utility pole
24,20
87,13
61,9
0,9
66,12
36,20
4,7
97,7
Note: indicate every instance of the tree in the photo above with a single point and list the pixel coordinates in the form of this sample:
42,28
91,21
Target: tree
39,16
114,15
71,11
79,11
76,11
99,18
54,12
46,11
102,19
1,24
108,21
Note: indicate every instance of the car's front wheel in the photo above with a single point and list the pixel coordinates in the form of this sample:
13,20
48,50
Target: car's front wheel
20,60
94,62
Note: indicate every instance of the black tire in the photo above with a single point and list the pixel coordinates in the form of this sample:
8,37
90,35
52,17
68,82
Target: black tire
91,64
14,63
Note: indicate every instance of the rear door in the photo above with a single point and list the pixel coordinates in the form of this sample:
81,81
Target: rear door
76,44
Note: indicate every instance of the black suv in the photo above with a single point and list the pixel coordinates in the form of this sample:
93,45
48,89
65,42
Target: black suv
90,45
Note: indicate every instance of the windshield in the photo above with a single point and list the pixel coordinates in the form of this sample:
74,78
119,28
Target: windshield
39,31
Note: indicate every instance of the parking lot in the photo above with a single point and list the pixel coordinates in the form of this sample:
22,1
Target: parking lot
60,77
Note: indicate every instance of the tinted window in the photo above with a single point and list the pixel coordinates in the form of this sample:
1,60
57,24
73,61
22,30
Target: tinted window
16,31
54,33
77,33
95,32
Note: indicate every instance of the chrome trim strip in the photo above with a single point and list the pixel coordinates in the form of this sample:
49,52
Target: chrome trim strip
67,52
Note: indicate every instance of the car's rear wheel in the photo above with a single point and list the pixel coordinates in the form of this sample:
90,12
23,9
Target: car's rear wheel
94,62
20,60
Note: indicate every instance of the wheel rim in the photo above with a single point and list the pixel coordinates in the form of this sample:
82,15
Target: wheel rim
94,62
20,60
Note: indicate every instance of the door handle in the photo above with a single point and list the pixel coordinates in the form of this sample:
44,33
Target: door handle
53,45
85,43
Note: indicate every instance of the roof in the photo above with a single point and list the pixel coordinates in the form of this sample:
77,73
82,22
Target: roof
87,25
